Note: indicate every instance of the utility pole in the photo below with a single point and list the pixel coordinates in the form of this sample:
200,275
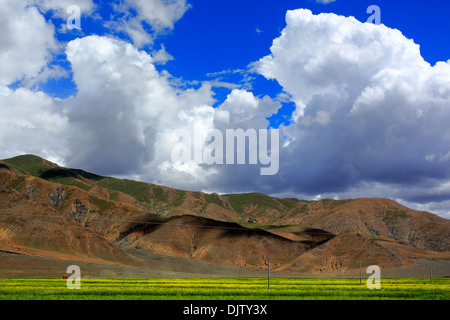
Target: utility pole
360,273
431,275
268,273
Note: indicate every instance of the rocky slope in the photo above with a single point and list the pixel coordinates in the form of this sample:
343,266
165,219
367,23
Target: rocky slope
49,210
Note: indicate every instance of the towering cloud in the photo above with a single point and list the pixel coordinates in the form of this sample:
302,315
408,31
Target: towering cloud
369,109
121,105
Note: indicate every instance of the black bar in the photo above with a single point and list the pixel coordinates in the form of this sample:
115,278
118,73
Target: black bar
228,309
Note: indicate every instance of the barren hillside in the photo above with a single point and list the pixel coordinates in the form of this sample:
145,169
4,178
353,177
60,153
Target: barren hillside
50,211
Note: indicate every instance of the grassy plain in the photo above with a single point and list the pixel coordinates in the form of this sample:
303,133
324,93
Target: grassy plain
224,289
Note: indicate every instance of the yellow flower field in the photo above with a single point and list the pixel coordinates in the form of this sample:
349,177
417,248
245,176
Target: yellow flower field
224,289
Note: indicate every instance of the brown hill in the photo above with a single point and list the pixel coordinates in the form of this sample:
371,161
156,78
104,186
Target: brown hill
37,229
39,217
48,210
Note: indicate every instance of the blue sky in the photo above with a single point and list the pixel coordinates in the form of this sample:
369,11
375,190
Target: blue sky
362,109
227,30
235,32
215,38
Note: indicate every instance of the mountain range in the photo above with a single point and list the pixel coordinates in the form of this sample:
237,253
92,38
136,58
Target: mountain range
69,214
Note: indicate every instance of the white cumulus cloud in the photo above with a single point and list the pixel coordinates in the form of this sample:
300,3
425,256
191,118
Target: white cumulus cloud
26,41
59,7
32,122
122,105
369,108
152,18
